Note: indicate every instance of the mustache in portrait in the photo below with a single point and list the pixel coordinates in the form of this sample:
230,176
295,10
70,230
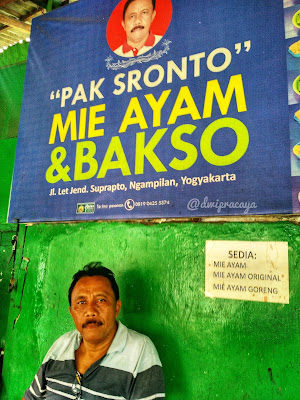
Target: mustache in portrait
91,321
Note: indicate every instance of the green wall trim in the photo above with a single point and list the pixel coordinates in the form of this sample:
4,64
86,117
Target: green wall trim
12,65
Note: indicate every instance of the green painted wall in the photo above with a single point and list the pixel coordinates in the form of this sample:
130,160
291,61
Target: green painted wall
7,157
6,233
11,88
14,55
210,348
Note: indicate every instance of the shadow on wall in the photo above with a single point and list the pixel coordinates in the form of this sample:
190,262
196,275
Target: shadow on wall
141,311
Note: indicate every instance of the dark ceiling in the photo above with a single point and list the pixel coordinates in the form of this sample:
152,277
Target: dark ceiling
16,17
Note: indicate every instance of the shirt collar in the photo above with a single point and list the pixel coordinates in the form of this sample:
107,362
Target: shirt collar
149,42
119,340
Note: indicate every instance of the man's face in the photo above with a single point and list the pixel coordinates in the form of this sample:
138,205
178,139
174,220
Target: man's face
94,308
137,20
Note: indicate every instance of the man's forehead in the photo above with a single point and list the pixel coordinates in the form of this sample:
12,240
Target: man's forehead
139,4
95,283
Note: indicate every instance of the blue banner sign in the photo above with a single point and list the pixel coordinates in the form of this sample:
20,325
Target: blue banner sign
160,109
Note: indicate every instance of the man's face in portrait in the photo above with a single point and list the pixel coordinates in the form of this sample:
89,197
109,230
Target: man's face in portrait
137,21
94,308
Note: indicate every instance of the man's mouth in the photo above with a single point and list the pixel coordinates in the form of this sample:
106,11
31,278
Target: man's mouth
92,323
137,27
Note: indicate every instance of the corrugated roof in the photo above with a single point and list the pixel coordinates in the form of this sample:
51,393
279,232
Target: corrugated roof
15,21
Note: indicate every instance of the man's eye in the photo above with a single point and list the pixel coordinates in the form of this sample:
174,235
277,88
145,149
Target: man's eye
81,302
101,300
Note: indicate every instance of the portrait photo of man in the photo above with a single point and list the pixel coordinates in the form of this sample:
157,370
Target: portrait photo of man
138,16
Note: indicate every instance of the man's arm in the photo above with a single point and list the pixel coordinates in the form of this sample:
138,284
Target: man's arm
149,384
149,379
37,389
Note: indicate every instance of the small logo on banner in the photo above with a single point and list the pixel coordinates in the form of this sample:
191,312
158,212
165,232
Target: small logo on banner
85,208
129,204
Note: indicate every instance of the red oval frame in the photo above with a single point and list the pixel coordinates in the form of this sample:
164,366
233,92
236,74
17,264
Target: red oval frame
115,33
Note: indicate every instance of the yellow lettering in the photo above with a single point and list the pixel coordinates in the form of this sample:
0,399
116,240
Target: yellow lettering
157,105
57,124
143,151
115,147
213,88
85,159
184,95
188,148
82,124
242,135
94,120
133,107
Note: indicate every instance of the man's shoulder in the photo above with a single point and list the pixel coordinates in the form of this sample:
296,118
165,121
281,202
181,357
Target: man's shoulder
119,51
144,49
136,337
67,338
64,347
131,351
138,343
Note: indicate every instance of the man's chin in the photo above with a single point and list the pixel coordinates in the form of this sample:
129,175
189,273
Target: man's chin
138,37
92,334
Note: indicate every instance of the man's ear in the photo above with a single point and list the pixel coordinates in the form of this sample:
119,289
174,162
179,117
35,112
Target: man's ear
70,311
153,15
118,307
123,25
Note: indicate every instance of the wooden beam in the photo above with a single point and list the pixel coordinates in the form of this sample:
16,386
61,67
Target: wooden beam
33,14
10,36
5,42
13,37
5,2
14,23
28,17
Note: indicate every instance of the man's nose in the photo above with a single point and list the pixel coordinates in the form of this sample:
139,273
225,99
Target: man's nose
92,309
138,19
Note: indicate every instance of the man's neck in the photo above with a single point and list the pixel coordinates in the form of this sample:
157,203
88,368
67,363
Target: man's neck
89,352
137,45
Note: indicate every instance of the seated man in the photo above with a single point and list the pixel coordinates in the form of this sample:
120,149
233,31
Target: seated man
102,358
138,16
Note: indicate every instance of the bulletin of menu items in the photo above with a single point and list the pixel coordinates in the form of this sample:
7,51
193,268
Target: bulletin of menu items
243,270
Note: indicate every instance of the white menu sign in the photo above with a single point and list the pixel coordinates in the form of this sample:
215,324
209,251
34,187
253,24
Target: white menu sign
243,270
